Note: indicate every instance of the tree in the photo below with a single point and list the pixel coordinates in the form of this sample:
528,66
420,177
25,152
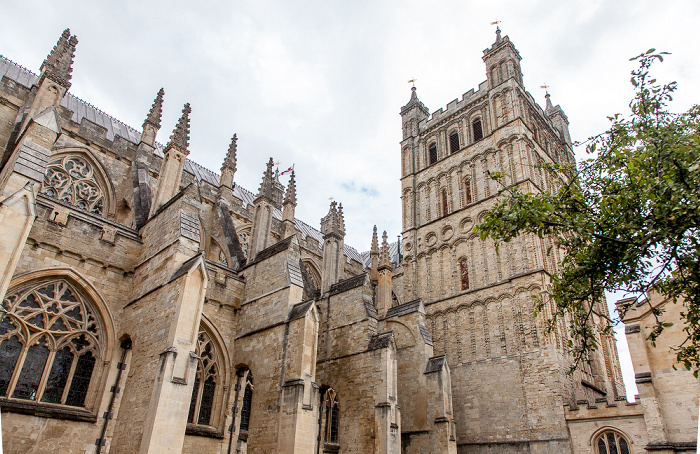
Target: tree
628,217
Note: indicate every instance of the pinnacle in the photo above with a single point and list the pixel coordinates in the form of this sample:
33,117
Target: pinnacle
267,183
59,63
384,254
375,245
181,133
230,159
156,112
290,197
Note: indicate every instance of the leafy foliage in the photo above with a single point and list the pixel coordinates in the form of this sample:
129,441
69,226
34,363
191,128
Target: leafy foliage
628,217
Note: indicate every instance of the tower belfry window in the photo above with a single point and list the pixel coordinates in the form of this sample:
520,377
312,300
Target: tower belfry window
477,130
432,153
454,142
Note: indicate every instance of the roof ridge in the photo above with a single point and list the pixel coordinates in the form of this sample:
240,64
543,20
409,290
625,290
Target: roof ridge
19,66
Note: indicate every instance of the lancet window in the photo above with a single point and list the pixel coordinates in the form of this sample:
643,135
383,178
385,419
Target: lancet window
49,344
454,142
432,153
206,381
72,179
247,403
477,130
464,273
330,419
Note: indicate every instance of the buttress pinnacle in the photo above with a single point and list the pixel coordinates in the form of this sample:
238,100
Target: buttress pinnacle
156,112
181,133
230,159
58,65
384,254
375,244
290,198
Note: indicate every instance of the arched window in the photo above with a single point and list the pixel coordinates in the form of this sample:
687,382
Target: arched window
432,153
216,253
49,344
330,419
477,130
610,442
454,142
445,208
205,382
464,273
467,191
246,405
72,179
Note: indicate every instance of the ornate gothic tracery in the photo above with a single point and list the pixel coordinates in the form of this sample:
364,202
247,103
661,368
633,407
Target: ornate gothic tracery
72,179
49,344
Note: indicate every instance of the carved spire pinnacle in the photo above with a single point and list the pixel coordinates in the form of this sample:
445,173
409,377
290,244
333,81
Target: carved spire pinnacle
290,198
181,133
375,244
334,223
156,112
58,65
384,254
230,159
268,182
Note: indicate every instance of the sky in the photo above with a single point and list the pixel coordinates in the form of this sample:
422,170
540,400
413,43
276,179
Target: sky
318,84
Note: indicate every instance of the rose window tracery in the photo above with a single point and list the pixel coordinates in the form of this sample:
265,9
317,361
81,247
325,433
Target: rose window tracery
72,179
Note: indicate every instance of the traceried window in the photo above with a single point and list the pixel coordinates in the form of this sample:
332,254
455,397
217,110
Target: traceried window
205,382
477,130
432,153
72,179
464,273
330,420
611,443
454,142
49,344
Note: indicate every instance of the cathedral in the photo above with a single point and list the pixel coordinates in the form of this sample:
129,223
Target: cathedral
150,305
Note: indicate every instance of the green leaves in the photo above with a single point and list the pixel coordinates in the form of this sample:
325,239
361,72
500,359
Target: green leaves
629,217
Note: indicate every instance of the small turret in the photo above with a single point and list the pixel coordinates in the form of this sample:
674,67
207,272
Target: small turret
411,114
560,122
333,230
228,168
502,61
174,157
270,186
269,194
290,203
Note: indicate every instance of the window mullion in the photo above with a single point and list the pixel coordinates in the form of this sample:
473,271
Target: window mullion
69,382
45,374
198,402
17,371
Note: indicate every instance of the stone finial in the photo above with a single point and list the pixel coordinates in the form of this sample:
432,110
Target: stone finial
333,223
156,112
498,35
181,133
375,244
290,198
384,254
58,65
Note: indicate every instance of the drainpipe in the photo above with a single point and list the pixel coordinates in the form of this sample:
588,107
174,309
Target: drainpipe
126,345
234,410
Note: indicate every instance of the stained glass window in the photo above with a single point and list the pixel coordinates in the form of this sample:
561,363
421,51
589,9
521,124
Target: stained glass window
464,273
205,382
72,179
49,340
330,417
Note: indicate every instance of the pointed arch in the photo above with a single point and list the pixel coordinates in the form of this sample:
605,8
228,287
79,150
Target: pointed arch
75,176
56,339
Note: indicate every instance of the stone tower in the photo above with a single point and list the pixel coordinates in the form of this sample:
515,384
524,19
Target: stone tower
479,301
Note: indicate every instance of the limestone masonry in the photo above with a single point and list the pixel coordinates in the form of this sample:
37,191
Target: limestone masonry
153,306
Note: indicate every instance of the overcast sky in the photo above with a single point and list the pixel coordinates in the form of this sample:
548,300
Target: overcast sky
318,84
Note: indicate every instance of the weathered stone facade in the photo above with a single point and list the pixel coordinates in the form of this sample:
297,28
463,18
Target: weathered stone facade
154,306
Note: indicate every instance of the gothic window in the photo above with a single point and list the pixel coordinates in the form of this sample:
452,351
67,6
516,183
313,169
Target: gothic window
49,344
467,191
611,443
477,130
330,419
445,208
247,402
464,273
72,179
315,277
205,382
432,152
454,142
